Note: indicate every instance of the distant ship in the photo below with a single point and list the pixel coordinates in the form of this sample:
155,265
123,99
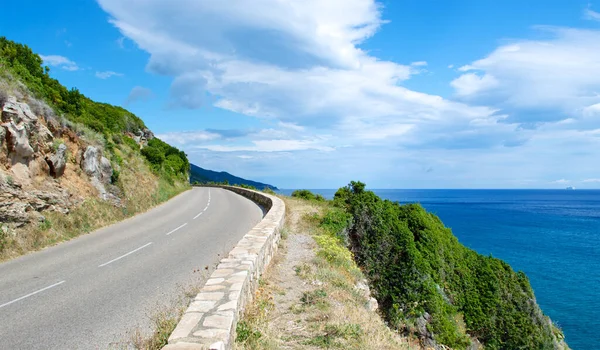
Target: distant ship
570,188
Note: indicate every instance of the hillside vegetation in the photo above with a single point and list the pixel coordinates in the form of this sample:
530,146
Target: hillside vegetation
68,164
429,284
111,122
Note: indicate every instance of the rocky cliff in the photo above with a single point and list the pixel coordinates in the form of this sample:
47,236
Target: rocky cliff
45,165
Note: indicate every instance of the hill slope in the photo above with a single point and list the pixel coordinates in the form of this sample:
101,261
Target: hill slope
68,164
428,283
201,175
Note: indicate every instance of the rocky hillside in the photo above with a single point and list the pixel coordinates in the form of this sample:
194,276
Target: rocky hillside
68,164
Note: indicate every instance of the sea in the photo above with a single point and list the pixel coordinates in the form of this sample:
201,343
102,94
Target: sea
551,235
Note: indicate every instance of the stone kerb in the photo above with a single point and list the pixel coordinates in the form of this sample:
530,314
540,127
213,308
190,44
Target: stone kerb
211,318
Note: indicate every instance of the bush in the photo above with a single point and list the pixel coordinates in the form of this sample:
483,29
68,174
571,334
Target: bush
304,194
131,143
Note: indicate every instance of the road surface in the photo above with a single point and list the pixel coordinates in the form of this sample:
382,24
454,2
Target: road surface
88,293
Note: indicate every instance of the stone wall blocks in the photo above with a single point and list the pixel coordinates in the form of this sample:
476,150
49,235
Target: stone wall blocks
210,296
213,314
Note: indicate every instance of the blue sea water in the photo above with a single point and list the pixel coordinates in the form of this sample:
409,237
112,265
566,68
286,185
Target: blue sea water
551,235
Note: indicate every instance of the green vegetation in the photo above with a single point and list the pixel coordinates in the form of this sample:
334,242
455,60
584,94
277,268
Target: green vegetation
111,122
419,272
307,300
166,158
308,195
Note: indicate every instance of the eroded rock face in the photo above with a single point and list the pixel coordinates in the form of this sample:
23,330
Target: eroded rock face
100,171
17,140
105,169
143,136
58,161
27,158
18,207
89,161
18,112
96,166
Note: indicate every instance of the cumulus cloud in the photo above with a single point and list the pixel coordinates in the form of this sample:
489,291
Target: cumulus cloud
298,62
107,74
299,68
60,61
538,80
138,93
471,83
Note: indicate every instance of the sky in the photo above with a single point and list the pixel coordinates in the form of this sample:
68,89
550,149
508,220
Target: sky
315,93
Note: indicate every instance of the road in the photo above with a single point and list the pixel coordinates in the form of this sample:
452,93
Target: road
88,293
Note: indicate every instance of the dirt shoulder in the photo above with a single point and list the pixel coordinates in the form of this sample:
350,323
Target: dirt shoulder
313,296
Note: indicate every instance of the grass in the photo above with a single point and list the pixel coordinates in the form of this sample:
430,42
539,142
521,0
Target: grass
163,319
320,306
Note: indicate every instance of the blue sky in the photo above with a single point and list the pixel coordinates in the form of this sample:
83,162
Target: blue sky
315,93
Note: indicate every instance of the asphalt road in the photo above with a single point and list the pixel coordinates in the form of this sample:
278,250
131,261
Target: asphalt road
88,293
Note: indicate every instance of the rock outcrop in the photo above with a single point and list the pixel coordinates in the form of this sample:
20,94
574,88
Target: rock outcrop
58,161
99,169
143,136
33,167
19,207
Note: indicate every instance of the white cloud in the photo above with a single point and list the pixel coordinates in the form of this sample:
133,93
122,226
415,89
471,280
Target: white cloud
60,61
291,126
307,66
298,67
107,74
538,80
121,42
561,181
138,93
471,83
188,136
591,15
591,180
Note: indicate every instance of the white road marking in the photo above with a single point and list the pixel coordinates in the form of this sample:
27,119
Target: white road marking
205,208
30,294
176,229
124,255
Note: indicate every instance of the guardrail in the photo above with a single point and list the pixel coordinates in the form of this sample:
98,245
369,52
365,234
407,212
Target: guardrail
211,318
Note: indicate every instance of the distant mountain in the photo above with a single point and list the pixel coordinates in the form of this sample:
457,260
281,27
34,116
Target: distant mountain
203,176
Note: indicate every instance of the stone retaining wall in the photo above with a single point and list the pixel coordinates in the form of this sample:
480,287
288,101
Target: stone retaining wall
211,319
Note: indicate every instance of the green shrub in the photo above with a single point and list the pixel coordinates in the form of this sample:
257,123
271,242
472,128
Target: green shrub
131,143
304,194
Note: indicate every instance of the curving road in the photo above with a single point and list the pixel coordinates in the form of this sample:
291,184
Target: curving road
88,292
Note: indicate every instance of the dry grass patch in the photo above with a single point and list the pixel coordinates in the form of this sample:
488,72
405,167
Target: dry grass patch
309,298
164,319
